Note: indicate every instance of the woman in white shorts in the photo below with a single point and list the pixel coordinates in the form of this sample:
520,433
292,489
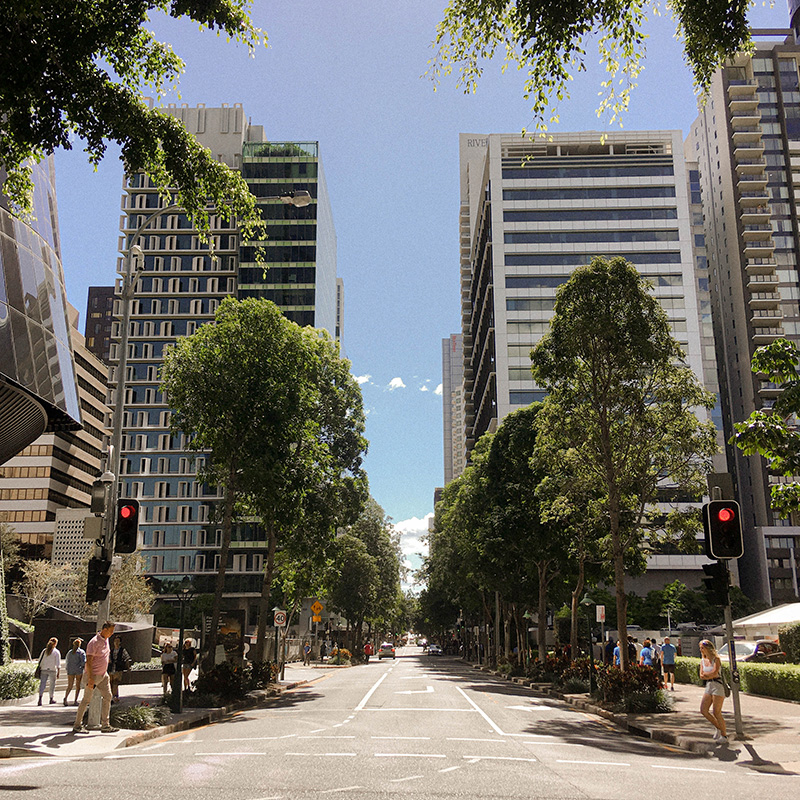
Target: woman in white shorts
714,695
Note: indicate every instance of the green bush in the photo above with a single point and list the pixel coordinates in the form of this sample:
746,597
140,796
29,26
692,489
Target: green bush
226,680
153,663
658,702
549,670
790,642
140,718
17,681
687,670
340,656
615,685
771,680
574,686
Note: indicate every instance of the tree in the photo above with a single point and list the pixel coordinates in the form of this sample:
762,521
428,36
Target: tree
131,593
773,433
9,544
622,402
283,422
77,69
547,40
42,586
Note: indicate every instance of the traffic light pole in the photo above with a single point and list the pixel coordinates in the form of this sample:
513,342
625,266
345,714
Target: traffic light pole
737,707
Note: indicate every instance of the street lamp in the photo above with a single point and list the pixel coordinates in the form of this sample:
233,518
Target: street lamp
299,198
184,593
587,602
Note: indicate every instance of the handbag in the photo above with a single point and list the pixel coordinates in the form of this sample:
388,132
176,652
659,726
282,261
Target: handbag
37,673
725,685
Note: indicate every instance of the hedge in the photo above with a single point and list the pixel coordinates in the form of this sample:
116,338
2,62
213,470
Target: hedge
770,680
790,642
17,681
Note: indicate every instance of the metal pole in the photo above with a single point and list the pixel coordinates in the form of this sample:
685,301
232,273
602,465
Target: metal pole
178,693
591,651
737,710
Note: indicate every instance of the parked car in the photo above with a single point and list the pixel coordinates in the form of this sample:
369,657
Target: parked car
761,651
434,650
386,651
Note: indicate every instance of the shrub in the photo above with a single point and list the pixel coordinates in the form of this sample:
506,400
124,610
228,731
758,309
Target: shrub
340,655
226,680
790,642
263,673
140,718
687,670
574,686
504,666
548,671
615,685
153,663
771,680
657,702
17,681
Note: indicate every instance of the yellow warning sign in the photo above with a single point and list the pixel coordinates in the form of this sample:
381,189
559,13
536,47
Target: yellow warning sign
317,607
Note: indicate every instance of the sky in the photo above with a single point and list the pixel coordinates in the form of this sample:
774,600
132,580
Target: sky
351,76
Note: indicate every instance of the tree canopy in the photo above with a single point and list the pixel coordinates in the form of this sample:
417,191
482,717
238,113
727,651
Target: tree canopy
549,40
76,69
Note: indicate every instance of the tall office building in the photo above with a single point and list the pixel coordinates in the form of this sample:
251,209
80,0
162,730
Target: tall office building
56,471
99,315
747,143
534,210
453,406
180,290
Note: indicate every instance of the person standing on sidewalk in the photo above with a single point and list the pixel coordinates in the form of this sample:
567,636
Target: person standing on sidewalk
714,695
50,667
668,652
76,662
97,655
118,662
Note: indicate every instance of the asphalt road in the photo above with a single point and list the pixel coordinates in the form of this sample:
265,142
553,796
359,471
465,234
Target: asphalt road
419,726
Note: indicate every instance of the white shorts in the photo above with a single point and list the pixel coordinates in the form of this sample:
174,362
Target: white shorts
715,689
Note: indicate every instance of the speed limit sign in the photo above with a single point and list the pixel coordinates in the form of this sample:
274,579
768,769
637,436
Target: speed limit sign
280,618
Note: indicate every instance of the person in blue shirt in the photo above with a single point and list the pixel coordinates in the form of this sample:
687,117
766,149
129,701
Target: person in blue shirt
616,656
668,653
76,661
646,655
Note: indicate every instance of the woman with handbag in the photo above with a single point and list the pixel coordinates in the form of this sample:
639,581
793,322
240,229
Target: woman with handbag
714,695
49,669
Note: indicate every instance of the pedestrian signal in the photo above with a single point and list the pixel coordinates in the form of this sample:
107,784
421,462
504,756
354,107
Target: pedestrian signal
98,579
127,533
716,582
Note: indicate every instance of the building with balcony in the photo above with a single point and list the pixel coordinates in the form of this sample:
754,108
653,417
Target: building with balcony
746,141
453,407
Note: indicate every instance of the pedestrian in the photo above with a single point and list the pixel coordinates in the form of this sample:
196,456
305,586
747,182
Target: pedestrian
49,669
633,653
188,661
168,660
118,662
368,651
646,655
714,694
608,653
668,653
76,661
97,655
322,650
616,656
654,646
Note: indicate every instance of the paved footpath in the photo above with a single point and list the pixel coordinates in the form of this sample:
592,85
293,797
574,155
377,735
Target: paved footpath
31,730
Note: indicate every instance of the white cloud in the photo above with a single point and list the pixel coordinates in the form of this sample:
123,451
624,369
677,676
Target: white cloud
412,532
361,379
438,390
396,383
423,388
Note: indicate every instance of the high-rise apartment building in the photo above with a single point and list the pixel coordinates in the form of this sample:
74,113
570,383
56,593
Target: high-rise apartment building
99,316
453,406
532,210
746,141
56,471
180,289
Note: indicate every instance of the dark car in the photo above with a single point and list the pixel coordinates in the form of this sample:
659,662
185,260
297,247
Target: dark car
434,650
761,651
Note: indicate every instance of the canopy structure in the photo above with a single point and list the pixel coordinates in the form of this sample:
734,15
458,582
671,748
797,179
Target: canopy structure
766,624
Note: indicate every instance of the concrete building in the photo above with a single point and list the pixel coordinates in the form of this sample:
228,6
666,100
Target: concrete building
534,210
38,391
453,406
179,291
56,471
747,143
99,315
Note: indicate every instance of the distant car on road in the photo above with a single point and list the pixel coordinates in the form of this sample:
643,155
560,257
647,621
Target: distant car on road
434,650
386,651
761,651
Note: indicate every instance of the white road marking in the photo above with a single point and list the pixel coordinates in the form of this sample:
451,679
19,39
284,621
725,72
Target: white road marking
139,755
556,744
428,690
410,755
369,694
474,759
229,753
595,763
338,736
687,769
460,739
409,778
454,710
318,730
450,769
409,738
531,708
495,728
343,789
259,738
320,754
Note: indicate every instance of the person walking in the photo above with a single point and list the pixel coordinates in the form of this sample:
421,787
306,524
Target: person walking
714,694
76,661
118,662
50,669
306,654
668,653
646,655
188,661
97,656
168,660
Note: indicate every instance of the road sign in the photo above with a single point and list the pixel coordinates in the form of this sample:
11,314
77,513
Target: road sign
601,614
280,618
317,608
316,618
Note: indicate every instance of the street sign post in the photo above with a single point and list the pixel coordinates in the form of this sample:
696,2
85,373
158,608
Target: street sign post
280,618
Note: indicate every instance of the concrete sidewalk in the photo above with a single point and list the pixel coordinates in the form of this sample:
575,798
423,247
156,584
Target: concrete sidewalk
31,730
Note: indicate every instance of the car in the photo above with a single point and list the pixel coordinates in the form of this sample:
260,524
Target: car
434,650
386,650
761,651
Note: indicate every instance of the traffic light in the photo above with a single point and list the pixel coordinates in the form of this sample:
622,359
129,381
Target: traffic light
716,582
722,521
97,582
127,534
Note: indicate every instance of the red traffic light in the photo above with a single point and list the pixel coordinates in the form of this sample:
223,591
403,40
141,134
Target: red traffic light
725,514
126,512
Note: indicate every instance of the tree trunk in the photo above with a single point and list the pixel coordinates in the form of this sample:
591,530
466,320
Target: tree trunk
541,632
575,608
619,579
266,586
219,583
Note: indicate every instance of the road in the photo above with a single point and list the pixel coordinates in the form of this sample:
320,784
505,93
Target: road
417,727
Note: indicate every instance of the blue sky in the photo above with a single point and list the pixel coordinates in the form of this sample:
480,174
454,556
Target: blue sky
350,76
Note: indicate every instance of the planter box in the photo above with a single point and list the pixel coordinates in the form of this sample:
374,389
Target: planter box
141,676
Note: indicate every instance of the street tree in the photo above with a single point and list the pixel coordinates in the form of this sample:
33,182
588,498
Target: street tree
41,586
77,70
623,402
773,433
548,41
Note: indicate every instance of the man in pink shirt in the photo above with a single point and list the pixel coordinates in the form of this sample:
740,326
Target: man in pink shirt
97,654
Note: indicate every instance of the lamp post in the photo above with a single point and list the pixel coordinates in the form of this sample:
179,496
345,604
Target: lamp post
184,593
587,602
